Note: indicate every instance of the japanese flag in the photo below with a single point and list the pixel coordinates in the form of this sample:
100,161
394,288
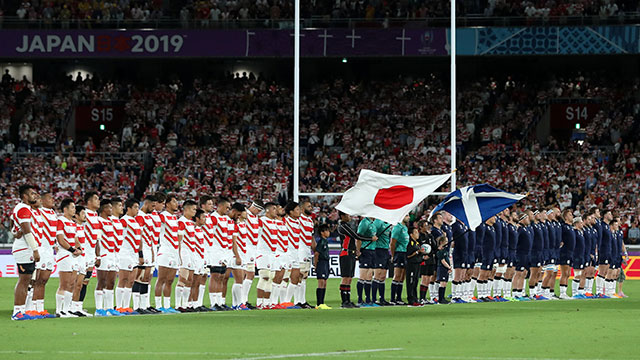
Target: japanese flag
388,197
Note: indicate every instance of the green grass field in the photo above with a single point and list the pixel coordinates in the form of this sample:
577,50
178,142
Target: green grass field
576,329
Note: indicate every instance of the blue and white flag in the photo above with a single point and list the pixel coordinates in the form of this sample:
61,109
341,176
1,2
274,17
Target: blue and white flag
474,204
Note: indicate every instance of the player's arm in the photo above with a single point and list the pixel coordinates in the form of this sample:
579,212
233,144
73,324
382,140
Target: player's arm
62,241
316,255
181,231
24,216
392,246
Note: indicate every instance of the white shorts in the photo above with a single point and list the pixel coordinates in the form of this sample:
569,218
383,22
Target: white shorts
66,262
251,267
281,262
305,267
199,265
264,262
187,258
294,259
219,257
169,259
89,257
22,253
127,261
243,263
108,262
82,264
304,254
147,255
47,258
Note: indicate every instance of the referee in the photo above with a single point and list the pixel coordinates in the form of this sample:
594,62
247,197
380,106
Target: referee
348,254
414,259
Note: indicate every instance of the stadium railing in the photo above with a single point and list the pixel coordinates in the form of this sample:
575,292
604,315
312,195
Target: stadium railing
13,22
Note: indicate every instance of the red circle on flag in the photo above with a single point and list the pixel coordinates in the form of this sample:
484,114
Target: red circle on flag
394,197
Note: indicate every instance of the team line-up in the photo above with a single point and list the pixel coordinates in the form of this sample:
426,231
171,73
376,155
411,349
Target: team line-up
127,240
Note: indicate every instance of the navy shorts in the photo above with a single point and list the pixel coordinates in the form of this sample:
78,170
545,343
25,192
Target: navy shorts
504,256
322,269
400,259
565,260
522,262
459,261
382,259
512,258
470,261
487,264
367,259
443,274
536,259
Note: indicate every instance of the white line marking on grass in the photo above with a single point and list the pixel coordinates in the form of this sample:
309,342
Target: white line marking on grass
471,357
154,353
332,353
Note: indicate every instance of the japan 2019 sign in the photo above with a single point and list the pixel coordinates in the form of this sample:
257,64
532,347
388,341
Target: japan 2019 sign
140,44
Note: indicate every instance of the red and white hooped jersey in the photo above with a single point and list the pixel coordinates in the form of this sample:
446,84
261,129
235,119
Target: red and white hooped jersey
231,228
108,241
132,234
186,228
118,228
169,231
50,219
200,241
21,214
147,226
38,228
293,225
67,228
241,234
80,236
220,231
157,226
207,230
283,237
253,228
306,227
92,228
268,236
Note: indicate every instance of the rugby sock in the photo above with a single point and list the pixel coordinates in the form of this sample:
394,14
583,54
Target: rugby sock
497,286
394,286
303,291
259,302
39,305
59,302
158,301
320,296
290,291
275,293
589,285
99,296
374,290
135,291
246,288
136,300
360,288
76,305
166,302
474,282
347,292
433,290
343,294
83,292
381,286
532,290
581,291
108,299
399,292
67,301
236,294
367,290
119,297
599,284
179,291
441,291
186,292
212,299
423,292
574,287
18,309
454,289
539,288
144,296
563,290
506,287
29,304
545,291
201,290
489,286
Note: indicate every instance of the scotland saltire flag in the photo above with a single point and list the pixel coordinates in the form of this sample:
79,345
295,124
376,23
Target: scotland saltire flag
474,204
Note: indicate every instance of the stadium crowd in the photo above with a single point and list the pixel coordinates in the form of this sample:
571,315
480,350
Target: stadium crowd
229,138
208,13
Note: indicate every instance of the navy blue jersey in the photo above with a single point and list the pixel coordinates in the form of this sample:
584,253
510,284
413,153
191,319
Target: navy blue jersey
471,243
436,233
568,241
599,233
447,230
617,250
479,238
545,235
525,240
498,228
558,226
606,243
459,231
588,240
551,229
505,237
578,250
513,237
594,240
538,238
489,242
